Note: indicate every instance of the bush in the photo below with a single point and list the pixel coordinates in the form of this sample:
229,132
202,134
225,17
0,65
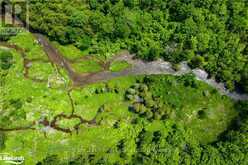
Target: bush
6,60
84,42
197,62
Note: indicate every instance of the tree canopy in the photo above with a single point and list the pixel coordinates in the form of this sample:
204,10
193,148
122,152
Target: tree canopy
211,31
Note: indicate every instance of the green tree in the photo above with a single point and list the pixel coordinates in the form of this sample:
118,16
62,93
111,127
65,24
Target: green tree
197,61
84,42
122,29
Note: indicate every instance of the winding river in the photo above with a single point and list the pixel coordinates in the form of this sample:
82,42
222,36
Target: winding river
138,67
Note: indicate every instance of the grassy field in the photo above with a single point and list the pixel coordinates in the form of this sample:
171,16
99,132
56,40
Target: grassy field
118,66
87,66
70,51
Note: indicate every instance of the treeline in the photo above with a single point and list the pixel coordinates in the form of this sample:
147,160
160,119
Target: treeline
211,34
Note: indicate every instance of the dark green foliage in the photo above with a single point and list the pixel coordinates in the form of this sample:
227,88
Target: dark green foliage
84,42
144,104
244,79
122,29
16,103
129,3
201,114
6,60
2,140
50,160
196,61
7,31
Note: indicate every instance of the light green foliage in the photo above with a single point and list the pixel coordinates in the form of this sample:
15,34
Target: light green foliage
30,45
70,51
40,71
68,123
119,66
86,66
24,40
184,100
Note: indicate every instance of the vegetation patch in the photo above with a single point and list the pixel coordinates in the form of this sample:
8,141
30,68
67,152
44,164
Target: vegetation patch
119,66
40,71
86,66
70,51
6,59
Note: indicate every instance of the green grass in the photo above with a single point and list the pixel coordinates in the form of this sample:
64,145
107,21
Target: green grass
28,42
40,71
38,101
86,66
70,51
24,40
119,66
68,123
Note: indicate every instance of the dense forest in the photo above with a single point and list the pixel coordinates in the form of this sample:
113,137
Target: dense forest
210,34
